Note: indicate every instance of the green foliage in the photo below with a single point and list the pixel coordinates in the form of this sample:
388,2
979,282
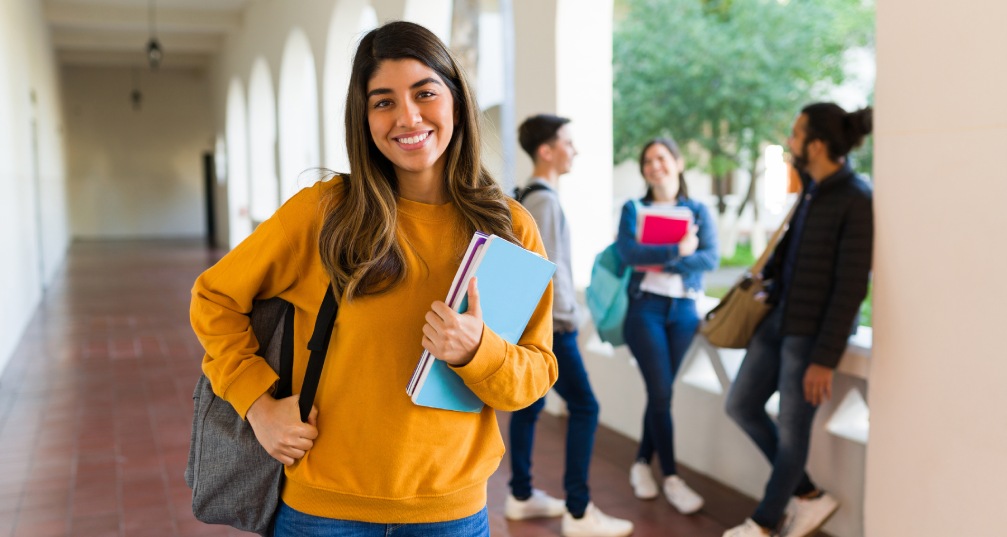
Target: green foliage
725,76
717,291
867,308
742,257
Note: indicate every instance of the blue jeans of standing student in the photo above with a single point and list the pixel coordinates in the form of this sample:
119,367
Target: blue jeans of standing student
776,362
575,388
658,331
293,523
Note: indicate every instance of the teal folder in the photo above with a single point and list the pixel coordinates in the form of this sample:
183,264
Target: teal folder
511,282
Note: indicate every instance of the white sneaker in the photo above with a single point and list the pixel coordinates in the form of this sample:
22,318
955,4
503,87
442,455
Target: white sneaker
748,529
644,486
681,496
809,515
594,523
539,505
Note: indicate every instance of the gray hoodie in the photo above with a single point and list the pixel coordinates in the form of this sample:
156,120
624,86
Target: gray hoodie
552,225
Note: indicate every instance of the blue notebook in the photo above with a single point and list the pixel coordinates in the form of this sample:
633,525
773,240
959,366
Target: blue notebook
511,281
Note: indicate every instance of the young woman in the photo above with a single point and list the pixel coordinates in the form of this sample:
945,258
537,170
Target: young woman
388,237
662,318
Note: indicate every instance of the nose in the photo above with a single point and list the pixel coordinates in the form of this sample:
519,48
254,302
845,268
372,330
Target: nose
409,114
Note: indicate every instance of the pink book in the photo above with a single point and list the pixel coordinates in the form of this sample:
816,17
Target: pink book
663,227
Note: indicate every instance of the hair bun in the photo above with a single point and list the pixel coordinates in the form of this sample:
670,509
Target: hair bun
861,122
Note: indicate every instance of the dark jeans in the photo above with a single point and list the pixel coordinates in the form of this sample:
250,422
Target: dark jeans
775,362
293,523
575,388
658,331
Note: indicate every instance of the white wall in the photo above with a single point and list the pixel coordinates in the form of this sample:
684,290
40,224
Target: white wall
33,226
136,173
935,464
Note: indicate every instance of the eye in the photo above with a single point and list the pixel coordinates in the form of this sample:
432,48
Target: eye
425,94
381,103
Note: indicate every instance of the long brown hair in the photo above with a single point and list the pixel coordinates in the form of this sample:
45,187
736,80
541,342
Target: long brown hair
357,240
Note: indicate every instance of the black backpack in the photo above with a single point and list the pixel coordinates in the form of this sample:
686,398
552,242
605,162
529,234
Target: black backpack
521,193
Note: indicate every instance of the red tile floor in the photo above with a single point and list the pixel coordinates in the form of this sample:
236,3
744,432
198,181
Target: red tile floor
96,402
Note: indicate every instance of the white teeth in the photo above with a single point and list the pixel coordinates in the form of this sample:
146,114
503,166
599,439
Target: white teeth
414,139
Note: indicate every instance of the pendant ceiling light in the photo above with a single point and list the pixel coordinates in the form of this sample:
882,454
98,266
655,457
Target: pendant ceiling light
135,96
154,52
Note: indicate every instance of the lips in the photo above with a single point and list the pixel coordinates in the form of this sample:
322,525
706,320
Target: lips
412,140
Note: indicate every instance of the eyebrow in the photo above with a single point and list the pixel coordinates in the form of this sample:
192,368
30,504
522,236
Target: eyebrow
424,82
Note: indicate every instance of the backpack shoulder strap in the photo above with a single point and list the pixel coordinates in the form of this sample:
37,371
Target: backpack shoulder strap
318,345
521,193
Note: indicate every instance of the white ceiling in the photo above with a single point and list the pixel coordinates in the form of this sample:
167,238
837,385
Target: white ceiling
115,32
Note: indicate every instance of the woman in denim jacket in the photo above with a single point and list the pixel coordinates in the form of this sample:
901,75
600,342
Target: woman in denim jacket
662,317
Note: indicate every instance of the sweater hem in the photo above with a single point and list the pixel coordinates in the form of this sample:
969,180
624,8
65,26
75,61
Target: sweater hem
411,510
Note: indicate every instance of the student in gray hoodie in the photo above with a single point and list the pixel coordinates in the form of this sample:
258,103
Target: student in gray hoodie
547,141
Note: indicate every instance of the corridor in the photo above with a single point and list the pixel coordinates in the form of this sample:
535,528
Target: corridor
95,414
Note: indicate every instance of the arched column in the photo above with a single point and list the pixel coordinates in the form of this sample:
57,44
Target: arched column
300,150
350,20
435,15
563,65
239,223
265,187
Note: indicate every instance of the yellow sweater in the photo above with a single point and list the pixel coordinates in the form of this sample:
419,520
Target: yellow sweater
378,457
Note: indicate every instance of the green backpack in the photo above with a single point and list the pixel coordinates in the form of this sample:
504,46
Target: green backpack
607,296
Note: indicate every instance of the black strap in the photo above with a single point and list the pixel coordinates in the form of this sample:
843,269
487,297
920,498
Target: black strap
284,388
318,345
521,193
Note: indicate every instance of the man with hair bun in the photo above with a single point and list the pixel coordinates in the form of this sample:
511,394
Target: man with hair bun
816,280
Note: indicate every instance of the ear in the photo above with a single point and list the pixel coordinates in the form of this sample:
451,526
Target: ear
544,153
818,149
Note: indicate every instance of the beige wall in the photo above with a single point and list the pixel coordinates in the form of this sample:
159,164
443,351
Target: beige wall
136,173
33,224
936,460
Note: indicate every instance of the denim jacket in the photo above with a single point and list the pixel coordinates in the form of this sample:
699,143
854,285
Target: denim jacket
691,267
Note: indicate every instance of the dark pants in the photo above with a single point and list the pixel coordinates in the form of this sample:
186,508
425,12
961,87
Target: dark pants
658,331
775,362
575,388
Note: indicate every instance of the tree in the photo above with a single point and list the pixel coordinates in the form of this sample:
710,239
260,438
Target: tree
725,77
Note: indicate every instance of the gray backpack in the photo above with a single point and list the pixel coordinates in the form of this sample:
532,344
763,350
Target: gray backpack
234,481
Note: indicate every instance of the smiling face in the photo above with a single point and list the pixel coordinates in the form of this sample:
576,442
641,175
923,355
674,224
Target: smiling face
661,169
410,111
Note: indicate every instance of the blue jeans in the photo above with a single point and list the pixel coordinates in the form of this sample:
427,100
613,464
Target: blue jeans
293,523
575,388
775,362
658,331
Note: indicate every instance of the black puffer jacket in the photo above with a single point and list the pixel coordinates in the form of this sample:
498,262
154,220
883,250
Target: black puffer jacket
832,268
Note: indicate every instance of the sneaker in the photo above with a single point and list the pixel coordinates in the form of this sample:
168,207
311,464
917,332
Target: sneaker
539,505
681,496
594,523
644,486
748,529
808,515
